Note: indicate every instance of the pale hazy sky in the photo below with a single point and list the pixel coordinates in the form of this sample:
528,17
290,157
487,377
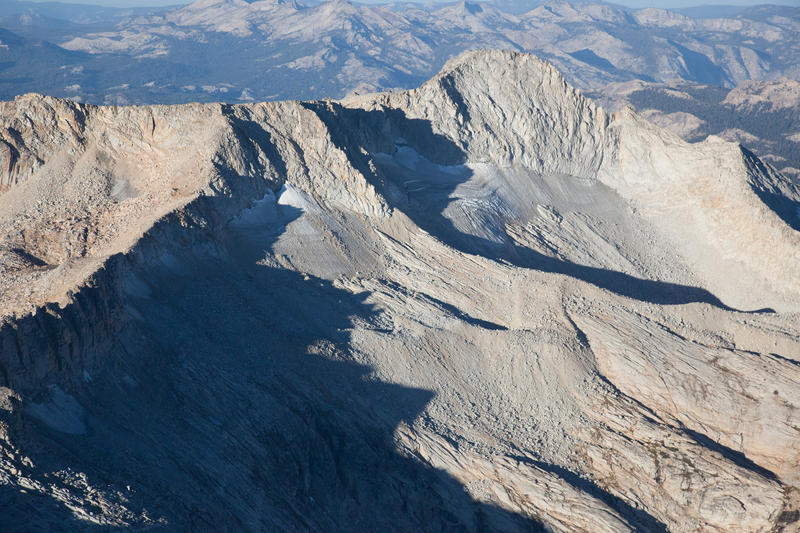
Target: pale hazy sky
632,3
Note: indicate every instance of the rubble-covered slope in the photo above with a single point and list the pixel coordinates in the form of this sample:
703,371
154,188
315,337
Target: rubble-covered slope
484,304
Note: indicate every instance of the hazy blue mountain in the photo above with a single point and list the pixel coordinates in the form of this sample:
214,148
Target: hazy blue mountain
36,13
237,50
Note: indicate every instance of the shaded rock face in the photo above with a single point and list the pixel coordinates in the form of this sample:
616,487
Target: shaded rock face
484,304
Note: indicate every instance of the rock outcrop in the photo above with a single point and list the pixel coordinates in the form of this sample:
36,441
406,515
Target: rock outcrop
483,304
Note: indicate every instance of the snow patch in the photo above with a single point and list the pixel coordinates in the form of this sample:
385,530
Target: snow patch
62,412
410,159
262,211
294,197
407,157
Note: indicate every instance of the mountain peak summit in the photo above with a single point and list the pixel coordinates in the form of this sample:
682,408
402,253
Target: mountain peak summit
497,58
308,275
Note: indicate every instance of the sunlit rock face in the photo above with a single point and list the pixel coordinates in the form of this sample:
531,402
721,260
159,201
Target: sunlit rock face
483,304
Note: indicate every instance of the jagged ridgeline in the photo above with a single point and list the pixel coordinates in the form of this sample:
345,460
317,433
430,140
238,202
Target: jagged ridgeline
481,305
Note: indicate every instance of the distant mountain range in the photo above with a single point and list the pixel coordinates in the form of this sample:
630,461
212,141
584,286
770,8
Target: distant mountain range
764,116
237,50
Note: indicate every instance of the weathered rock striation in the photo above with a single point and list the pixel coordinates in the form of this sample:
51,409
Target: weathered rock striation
483,304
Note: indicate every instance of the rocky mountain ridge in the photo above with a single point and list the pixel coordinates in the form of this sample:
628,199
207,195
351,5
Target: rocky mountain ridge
763,116
481,304
246,51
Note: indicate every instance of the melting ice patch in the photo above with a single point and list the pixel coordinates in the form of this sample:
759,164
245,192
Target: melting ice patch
408,158
272,208
294,197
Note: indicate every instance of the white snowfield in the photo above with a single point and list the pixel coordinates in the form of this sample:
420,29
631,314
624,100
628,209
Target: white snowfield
481,305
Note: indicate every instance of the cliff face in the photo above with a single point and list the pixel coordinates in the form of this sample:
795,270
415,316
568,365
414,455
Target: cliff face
482,304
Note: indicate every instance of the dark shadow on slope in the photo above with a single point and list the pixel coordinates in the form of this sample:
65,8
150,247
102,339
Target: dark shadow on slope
451,309
700,68
461,315
601,63
787,209
657,292
256,142
355,129
231,403
736,457
29,512
590,58
638,518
